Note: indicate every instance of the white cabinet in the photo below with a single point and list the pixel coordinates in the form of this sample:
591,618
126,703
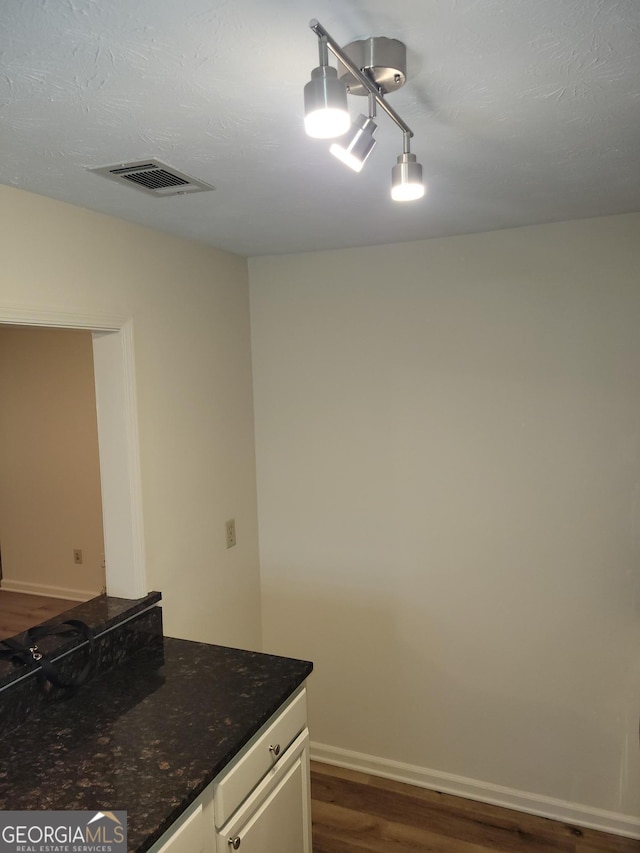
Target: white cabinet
260,802
191,833
264,752
275,818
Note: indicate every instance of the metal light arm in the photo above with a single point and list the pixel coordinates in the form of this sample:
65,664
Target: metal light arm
371,87
323,51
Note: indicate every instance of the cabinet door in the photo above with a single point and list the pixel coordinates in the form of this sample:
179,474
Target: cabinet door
279,821
189,837
192,832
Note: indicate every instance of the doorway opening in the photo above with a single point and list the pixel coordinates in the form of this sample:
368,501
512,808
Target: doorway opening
50,499
114,375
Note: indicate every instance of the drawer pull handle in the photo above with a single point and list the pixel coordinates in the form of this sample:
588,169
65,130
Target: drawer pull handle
275,749
234,843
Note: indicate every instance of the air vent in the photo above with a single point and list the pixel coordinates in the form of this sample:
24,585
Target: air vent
153,178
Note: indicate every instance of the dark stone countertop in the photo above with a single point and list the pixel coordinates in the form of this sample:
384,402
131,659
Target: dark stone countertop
146,737
100,614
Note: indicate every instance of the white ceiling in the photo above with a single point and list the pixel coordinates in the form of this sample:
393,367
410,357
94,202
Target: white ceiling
524,111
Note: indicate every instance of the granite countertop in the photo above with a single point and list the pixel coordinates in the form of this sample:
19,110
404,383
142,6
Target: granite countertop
146,737
99,613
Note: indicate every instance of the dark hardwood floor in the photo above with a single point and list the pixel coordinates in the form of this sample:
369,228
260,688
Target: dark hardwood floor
19,611
354,812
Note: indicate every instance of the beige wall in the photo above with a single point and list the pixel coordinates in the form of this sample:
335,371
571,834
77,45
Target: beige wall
448,443
49,475
189,306
448,447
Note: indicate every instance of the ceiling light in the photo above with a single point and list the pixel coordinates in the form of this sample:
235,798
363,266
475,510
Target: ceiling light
354,148
372,67
325,100
406,179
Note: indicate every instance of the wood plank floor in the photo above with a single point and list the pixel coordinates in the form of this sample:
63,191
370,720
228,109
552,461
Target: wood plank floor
354,812
19,611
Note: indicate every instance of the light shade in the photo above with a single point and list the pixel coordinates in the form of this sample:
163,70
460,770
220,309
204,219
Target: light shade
325,104
406,179
356,145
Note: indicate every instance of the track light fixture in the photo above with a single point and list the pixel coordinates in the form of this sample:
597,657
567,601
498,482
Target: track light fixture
373,67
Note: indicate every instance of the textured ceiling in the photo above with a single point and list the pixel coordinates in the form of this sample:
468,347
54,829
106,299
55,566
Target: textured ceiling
524,111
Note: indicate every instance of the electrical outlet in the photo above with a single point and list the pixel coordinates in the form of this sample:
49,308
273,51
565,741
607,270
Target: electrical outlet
77,556
230,528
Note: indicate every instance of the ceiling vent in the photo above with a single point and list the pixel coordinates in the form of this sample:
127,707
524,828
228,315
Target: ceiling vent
153,178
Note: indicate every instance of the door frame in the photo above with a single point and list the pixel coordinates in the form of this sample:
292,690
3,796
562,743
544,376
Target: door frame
118,445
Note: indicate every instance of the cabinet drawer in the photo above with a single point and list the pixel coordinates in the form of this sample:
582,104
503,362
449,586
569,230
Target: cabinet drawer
241,778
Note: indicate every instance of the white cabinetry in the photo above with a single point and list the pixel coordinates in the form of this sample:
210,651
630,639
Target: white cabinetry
275,817
191,833
260,802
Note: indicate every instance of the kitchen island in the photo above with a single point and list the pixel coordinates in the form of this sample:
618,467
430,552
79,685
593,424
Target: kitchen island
150,735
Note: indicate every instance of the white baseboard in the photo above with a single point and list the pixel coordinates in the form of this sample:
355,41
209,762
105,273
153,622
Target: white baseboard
472,789
44,589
